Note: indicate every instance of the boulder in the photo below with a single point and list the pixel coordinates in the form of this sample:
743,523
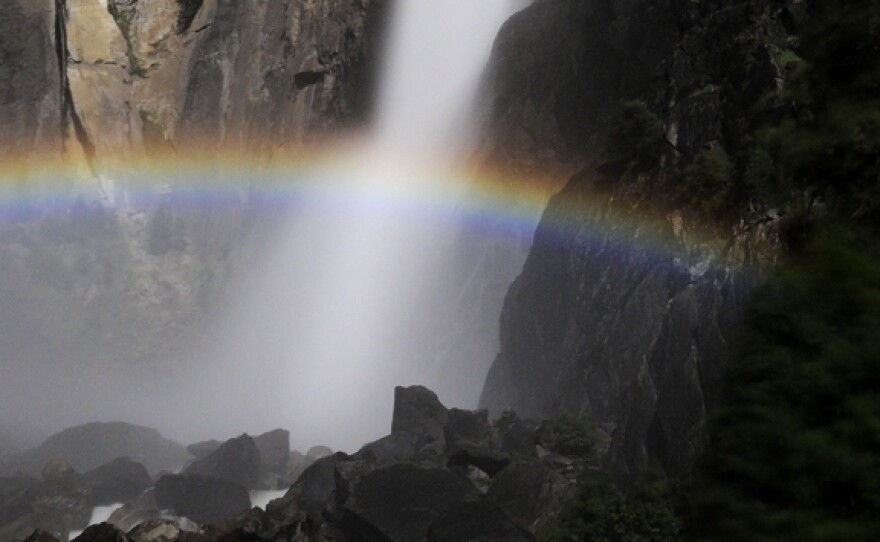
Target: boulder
236,460
274,448
400,502
312,491
103,532
89,446
41,536
487,460
467,426
119,481
201,498
529,492
318,452
419,415
135,512
201,449
160,530
476,521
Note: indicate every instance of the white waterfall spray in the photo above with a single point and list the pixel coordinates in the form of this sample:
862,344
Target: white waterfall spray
340,309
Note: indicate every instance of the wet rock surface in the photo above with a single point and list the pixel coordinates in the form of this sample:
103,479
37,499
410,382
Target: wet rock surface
621,313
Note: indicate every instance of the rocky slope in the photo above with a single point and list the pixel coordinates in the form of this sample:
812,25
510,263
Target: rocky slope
630,300
441,475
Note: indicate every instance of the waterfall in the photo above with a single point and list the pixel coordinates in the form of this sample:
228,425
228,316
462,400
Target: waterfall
343,311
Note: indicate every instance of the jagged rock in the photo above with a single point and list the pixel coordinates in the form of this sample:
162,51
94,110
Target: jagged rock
103,532
41,536
400,502
529,492
133,513
476,521
467,426
160,530
318,452
237,460
487,460
312,491
89,446
24,526
274,448
514,437
201,449
419,415
118,481
201,498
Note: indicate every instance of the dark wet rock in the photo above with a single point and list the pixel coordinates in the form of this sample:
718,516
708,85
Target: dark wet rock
89,446
103,532
530,492
514,436
487,460
203,448
480,521
467,426
274,448
237,460
41,536
119,481
201,498
401,502
160,530
314,489
133,513
419,415
319,452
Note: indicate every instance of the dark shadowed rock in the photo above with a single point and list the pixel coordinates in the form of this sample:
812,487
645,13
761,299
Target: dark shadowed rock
41,536
419,415
529,492
118,481
89,446
319,452
103,532
237,460
201,449
274,448
487,460
201,498
467,426
135,512
479,521
401,502
312,491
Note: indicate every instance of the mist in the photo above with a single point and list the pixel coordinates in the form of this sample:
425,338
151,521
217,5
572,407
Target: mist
377,281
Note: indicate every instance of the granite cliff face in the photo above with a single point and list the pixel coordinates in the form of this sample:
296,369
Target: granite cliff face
630,301
108,275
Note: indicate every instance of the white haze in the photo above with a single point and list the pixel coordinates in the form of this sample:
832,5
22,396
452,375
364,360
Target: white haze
330,325
356,291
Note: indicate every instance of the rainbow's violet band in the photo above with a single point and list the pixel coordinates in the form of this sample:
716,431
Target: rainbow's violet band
336,180
339,181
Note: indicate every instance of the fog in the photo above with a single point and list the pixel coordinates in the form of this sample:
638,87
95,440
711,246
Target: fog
369,286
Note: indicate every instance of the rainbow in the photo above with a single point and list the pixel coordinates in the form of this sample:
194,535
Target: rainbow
337,177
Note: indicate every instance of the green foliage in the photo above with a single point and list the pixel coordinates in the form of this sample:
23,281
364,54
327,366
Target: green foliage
602,513
797,435
634,137
828,136
708,181
575,436
188,11
165,233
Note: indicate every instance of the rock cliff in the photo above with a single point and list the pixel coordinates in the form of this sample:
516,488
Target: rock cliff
100,272
631,299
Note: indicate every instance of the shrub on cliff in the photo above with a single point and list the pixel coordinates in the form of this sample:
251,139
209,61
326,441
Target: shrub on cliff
796,437
634,138
708,181
602,512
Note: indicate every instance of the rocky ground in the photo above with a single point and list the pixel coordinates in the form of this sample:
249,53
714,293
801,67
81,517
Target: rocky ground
441,475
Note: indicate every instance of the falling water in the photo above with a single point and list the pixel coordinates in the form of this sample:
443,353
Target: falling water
341,306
